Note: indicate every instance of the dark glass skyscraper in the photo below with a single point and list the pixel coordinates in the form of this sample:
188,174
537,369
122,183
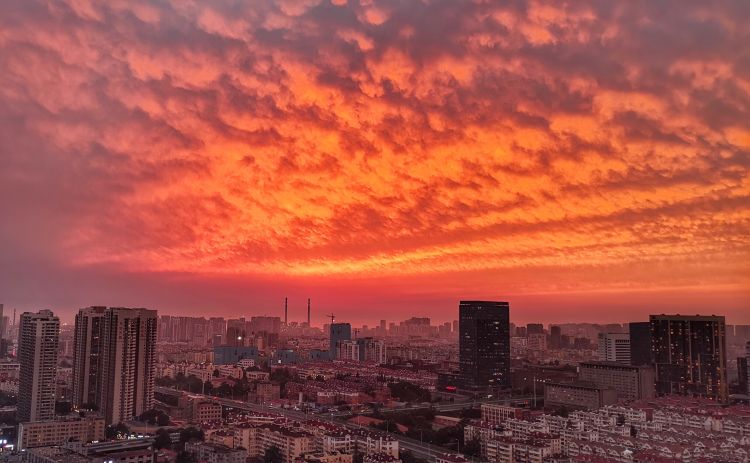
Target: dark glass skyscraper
640,343
689,354
484,344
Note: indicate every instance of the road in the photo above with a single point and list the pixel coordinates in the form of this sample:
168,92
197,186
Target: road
419,449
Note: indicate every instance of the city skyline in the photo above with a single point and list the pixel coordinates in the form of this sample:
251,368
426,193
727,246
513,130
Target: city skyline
584,159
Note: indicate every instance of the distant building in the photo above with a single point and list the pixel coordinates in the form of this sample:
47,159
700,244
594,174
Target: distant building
230,355
372,350
577,396
640,343
347,350
614,347
630,382
484,344
690,355
534,328
536,342
747,359
555,337
742,375
38,337
339,332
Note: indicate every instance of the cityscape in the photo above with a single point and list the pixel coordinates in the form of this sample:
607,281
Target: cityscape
130,385
374,231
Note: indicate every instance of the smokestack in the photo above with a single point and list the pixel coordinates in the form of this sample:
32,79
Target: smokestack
308,311
286,312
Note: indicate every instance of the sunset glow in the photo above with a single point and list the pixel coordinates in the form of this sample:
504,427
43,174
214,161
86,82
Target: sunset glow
214,157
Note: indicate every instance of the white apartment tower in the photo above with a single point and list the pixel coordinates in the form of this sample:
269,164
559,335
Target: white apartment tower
37,355
614,347
127,363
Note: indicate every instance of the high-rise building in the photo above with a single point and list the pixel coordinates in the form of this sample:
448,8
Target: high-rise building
339,332
371,350
484,344
614,347
534,328
690,355
555,337
747,358
38,338
128,363
87,357
640,343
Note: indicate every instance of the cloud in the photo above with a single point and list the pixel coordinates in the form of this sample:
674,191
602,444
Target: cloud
381,139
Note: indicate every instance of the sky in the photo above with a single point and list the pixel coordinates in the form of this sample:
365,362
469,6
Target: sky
583,160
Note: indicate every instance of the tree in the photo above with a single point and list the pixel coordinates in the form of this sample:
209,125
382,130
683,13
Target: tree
633,431
191,433
217,373
63,408
116,431
620,419
162,440
185,457
408,392
472,448
272,455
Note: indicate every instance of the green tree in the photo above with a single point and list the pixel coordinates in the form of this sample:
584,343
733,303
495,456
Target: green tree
162,440
272,455
185,457
116,431
472,448
191,433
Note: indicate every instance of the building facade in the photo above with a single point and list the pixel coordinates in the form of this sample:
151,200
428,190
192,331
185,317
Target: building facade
640,343
128,363
690,355
38,338
630,382
614,347
87,357
338,332
577,396
484,344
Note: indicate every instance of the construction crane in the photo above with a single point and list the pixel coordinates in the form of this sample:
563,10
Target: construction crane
332,317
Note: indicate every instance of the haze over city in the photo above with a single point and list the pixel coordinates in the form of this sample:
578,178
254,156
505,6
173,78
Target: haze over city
587,161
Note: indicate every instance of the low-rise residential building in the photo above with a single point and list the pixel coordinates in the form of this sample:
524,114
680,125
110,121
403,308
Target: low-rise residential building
56,432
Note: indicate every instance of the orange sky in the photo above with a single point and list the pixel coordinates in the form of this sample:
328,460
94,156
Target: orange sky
584,161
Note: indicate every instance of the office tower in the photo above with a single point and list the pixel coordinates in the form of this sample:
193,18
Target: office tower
614,347
689,354
339,332
2,323
455,326
534,328
382,327
484,344
286,312
37,355
87,355
640,343
521,331
747,360
555,336
128,363
308,311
